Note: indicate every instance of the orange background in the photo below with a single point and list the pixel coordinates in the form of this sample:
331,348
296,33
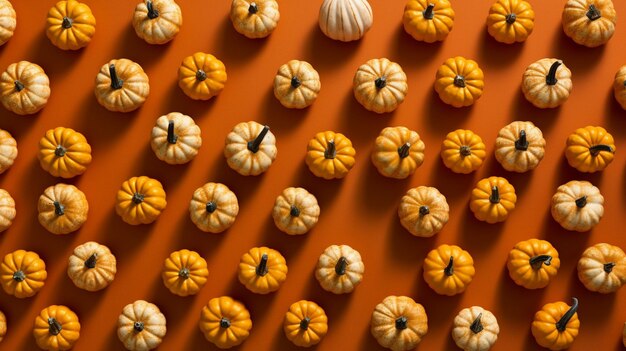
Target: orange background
359,210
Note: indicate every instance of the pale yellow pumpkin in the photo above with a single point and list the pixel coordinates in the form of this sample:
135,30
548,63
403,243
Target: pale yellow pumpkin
399,323
250,148
602,268
157,21
3,326
295,211
589,22
297,84
520,146
8,21
63,208
7,210
175,138
577,205
475,329
380,85
141,326
213,208
254,18
423,211
24,88
547,83
345,20
398,152
339,269
8,150
92,266
121,86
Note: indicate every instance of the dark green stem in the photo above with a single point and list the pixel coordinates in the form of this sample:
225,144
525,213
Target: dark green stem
295,82
494,198
54,327
253,8
510,18
254,145
402,323
138,327
184,273
152,12
211,207
521,144
60,151
595,150
116,82
428,13
19,276
551,77
424,210
224,323
304,324
594,13
608,267
341,265
172,138
67,23
581,201
380,82
561,325
537,261
459,81
91,261
294,211
18,86
200,75
59,209
261,269
476,326
449,270
138,198
330,151
403,151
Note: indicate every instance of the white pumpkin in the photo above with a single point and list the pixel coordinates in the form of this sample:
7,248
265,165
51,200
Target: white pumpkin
475,329
345,20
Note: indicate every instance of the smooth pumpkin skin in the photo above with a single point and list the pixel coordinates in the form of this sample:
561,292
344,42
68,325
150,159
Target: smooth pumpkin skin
225,322
31,266
586,26
380,85
140,200
141,326
202,76
448,270
520,147
602,268
399,323
128,92
8,21
213,208
459,82
70,25
423,211
475,329
3,326
325,163
254,18
31,94
296,84
345,20
590,149
182,144
250,148
7,210
8,150
62,209
495,211
295,211
423,27
510,21
184,272
398,152
533,263
544,326
547,83
64,152
463,151
577,206
258,280
339,269
48,337
305,323
160,25
619,86
92,266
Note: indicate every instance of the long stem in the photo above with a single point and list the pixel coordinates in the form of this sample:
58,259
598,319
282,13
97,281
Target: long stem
91,261
304,324
428,13
402,323
403,151
171,136
18,86
59,209
152,12
340,267
594,13
537,261
254,145
510,18
54,327
476,326
330,151
608,267
561,325
261,269
494,198
521,143
595,150
449,270
551,77
581,201
116,82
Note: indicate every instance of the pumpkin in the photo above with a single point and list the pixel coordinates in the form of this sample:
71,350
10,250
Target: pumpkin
475,329
380,85
8,21
602,268
56,328
22,273
547,83
8,150
459,82
121,86
3,326
398,152
202,76
7,210
296,84
577,206
533,263
493,199
424,211
157,21
24,88
213,208
556,325
70,25
520,147
330,155
175,138
399,323
345,20
619,86
140,200
510,21
141,326
64,152
590,149
339,269
428,21
589,22
225,322
184,272
262,270
463,151
92,266
295,211
250,148
305,323
448,270
63,208
254,18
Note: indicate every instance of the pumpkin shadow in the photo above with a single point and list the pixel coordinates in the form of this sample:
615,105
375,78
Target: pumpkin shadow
100,126
446,306
327,54
405,248
567,173
29,343
19,127
507,53
369,123
138,50
519,181
418,54
478,237
380,192
169,175
441,118
177,101
522,110
577,57
129,240
174,307
324,190
334,305
568,243
278,117
529,341
234,48
280,342
614,116
197,341
288,245
243,186
369,343
53,60
451,185
78,300
257,304
516,302
113,342
192,238
592,304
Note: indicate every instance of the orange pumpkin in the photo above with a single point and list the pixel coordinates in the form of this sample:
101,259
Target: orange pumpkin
533,263
92,266
510,21
619,86
556,325
64,152
428,20
423,211
459,82
201,76
225,322
330,155
463,151
590,149
184,272
398,152
262,270
140,200
493,199
589,22
448,270
70,25
3,326
56,328
305,323
22,273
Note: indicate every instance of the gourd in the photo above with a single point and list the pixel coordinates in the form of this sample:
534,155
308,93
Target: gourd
213,208
305,323
262,270
399,323
140,200
475,329
577,206
225,322
64,152
520,147
175,138
62,208
398,152
296,84
547,83
56,328
589,22
92,266
7,210
345,20
141,326
184,272
250,148
380,85
428,21
590,149
157,21
122,86
463,151
510,21
254,18
295,211
24,88
448,270
493,199
202,76
8,21
3,326
423,211
556,325
330,155
8,150
619,86
22,273
339,269
70,25
533,263
602,268
459,82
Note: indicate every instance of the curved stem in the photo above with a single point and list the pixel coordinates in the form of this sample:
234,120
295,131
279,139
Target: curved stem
138,198
211,207
224,323
403,151
295,82
116,82
476,326
581,201
465,151
537,261
91,261
19,276
59,209
200,75
424,210
253,8
593,13
595,150
254,145
171,136
494,198
261,269
608,267
402,323
428,13
184,273
330,151
60,151
341,265
152,12
380,82
294,211
304,324
67,23
521,144
561,325
459,81
19,86
54,327
138,327
510,18
449,270
551,77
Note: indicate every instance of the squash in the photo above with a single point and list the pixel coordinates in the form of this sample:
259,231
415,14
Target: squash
448,270
70,25
399,323
547,83
184,273
175,138
22,273
330,155
380,85
533,263
140,200
295,211
296,84
602,268
8,150
202,76
3,326
590,149
463,151
213,208
493,199
250,148
121,86
345,20
56,328
262,270
64,152
92,266
305,323
459,82
510,21
62,208
556,325
589,22
157,21
577,206
520,147
254,18
8,21
428,21
619,86
424,211
7,210
225,322
475,329
24,88
398,152
339,269
141,326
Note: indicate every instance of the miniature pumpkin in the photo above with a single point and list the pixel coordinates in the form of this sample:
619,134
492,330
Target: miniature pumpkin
262,270
250,148
459,82
64,152
520,146
7,210
493,199
202,76
448,270
510,21
428,21
213,208
22,273
345,20
296,84
122,86
70,25
602,268
140,200
254,18
463,151
475,329
398,152
305,323
24,88
141,326
56,328
399,323
547,83
3,326
533,263
590,149
63,208
225,322
577,205
619,87
175,138
556,325
380,85
295,211
339,269
8,21
589,22
184,272
92,266
424,211
157,21
330,155
8,150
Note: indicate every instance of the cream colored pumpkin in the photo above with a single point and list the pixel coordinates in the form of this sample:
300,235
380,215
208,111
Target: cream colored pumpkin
213,208
24,88
424,211
345,20
8,21
250,148
547,83
475,329
520,147
602,268
92,266
157,21
578,206
141,326
122,85
399,323
8,150
297,84
398,152
339,269
7,210
175,138
3,326
295,211
254,18
589,22
380,85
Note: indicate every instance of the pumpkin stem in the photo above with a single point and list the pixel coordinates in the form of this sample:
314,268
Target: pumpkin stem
91,261
428,13
380,82
581,201
608,267
253,145
465,151
295,82
593,13
67,23
211,207
551,77
261,269
184,273
19,276
54,327
116,82
495,195
138,327
402,323
200,75
18,86
60,151
138,198
510,18
331,151
152,12
340,267
424,210
459,81
403,151
595,150
562,323
449,270
537,261
224,323
253,8
304,324
171,136
59,209
476,326
521,144
294,211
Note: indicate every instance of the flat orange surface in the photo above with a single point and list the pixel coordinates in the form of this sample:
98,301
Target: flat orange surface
359,210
